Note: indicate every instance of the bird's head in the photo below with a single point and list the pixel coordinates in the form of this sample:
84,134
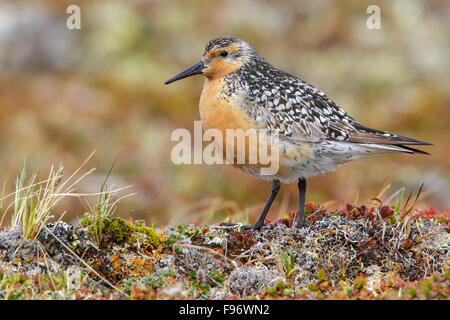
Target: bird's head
221,57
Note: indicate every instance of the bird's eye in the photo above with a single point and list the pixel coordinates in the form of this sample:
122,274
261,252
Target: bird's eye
224,53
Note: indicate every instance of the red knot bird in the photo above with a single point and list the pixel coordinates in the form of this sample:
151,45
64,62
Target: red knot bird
244,91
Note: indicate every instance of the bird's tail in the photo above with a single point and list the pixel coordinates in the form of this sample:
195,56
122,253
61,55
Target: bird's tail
383,140
385,148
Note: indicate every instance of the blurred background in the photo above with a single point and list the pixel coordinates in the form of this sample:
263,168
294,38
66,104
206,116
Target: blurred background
64,93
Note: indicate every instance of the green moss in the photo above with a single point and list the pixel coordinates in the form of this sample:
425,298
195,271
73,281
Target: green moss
120,230
152,237
280,284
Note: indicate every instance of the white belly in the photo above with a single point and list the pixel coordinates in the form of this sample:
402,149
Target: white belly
324,157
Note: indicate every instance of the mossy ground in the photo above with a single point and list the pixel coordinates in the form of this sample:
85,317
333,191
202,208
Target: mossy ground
354,253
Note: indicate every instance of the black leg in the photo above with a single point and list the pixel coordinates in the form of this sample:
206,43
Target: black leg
260,222
300,221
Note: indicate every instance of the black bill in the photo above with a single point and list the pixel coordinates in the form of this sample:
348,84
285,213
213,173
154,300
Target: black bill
195,69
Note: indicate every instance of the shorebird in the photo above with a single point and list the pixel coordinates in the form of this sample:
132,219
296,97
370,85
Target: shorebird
242,91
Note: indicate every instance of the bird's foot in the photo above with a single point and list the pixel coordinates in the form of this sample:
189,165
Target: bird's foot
300,221
300,224
253,227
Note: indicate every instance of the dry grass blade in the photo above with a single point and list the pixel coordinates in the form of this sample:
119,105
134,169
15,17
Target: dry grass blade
406,210
34,203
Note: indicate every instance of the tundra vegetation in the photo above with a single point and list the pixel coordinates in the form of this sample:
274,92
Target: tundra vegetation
381,251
